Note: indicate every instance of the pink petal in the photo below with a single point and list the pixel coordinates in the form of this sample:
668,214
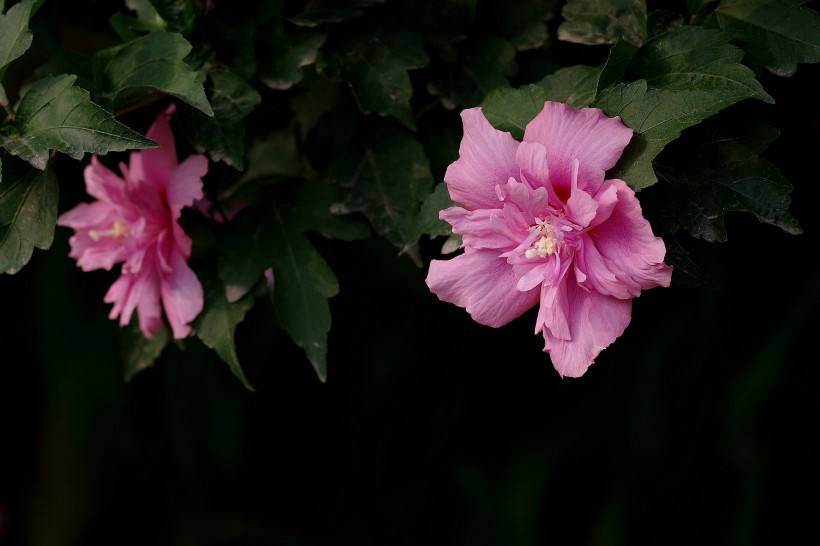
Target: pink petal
136,292
627,245
185,184
182,296
588,135
88,216
486,159
531,158
594,322
102,184
478,228
483,284
154,166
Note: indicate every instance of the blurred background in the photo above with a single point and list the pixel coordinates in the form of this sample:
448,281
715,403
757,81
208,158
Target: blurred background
698,426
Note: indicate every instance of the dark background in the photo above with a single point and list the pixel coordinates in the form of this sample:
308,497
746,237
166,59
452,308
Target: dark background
698,426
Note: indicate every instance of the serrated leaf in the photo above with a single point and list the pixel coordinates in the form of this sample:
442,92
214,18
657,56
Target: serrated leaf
657,117
708,179
775,34
216,325
480,69
56,115
619,58
282,55
428,222
28,213
309,205
374,60
245,252
697,59
155,61
15,36
139,352
388,180
575,85
304,282
603,21
512,109
222,135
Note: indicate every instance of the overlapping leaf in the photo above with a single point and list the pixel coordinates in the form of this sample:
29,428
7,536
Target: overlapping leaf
28,213
603,21
245,252
303,284
153,62
56,115
15,36
375,62
282,55
179,14
511,110
222,135
695,73
139,352
775,34
388,180
703,181
216,325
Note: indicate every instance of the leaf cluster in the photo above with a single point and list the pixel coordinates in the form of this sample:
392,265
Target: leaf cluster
329,122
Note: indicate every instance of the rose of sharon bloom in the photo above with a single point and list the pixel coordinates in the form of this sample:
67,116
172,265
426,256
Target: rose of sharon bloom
134,220
540,224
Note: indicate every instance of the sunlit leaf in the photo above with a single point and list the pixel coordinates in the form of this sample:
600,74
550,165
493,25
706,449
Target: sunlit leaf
56,115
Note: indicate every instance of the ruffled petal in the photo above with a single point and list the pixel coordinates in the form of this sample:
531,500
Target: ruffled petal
182,295
531,158
102,184
481,229
137,292
482,283
486,159
185,184
627,246
588,135
154,166
594,321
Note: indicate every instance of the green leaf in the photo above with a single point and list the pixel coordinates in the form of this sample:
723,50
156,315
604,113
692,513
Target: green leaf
603,21
482,68
375,61
275,157
303,284
575,85
223,134
153,62
216,325
139,352
657,117
282,55
15,36
428,222
620,56
28,213
309,205
775,34
715,175
245,252
317,12
55,115
388,180
512,109
179,14
699,60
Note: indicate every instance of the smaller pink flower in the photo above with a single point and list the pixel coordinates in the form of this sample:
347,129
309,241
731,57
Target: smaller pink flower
135,220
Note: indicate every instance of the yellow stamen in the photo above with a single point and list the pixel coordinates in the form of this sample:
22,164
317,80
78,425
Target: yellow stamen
118,232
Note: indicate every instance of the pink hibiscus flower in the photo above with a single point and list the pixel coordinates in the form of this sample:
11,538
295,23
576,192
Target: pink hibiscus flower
541,224
135,220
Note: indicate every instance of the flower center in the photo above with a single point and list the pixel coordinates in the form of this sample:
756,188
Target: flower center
545,245
118,232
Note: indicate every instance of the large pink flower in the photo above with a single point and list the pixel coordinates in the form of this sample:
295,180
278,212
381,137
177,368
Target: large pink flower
135,220
541,224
